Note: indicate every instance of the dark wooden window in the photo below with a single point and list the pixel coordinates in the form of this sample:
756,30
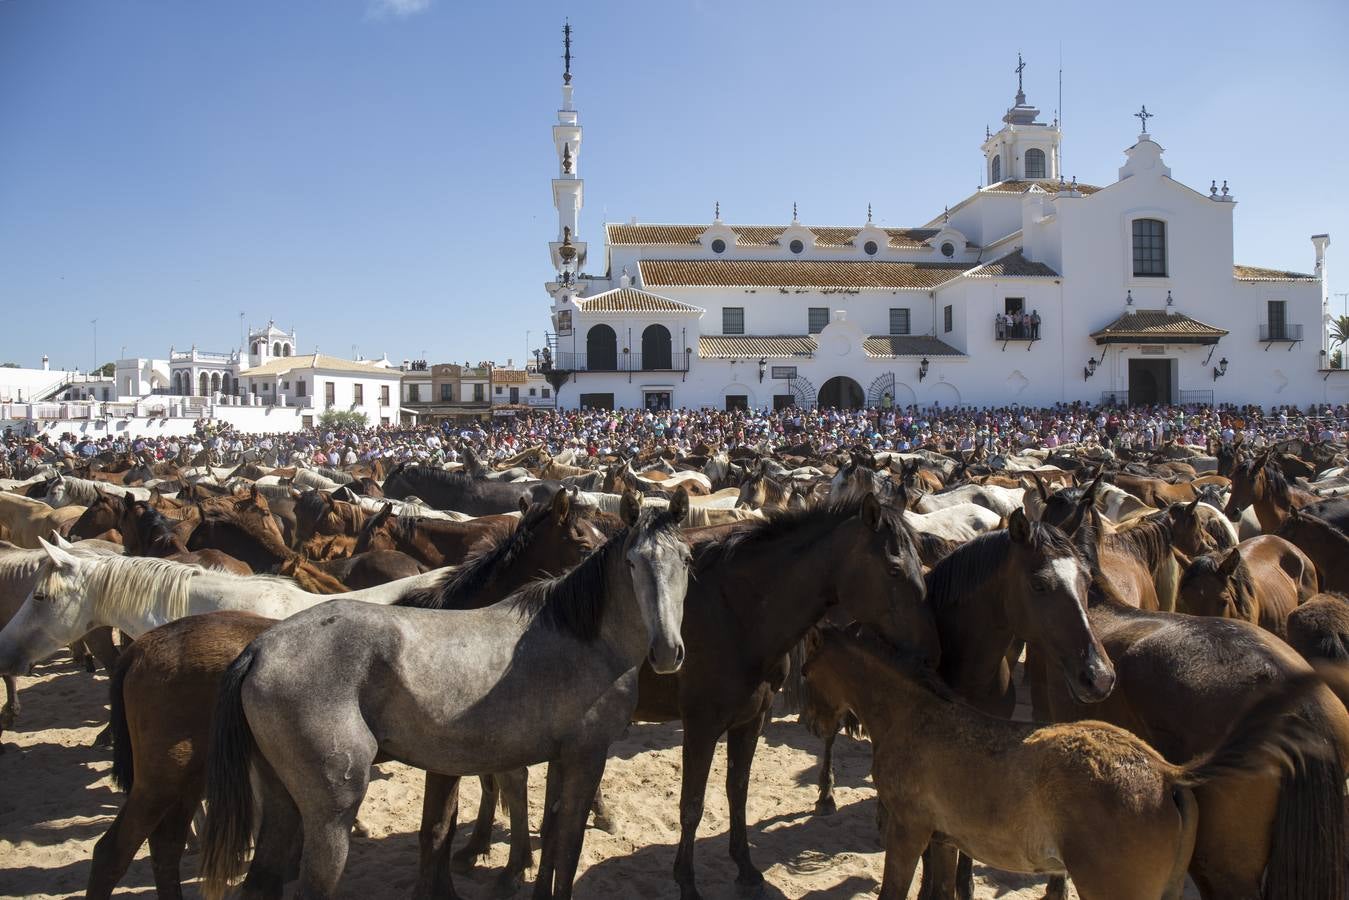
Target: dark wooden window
1149,248
383,395
946,318
737,401
359,396
656,348
818,318
330,393
597,401
995,170
899,320
733,320
1035,164
446,392
601,349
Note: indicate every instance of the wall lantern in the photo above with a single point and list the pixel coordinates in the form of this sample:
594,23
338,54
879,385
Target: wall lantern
922,369
1220,369
763,367
1090,369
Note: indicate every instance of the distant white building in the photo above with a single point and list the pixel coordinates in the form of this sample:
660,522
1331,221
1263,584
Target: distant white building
1034,290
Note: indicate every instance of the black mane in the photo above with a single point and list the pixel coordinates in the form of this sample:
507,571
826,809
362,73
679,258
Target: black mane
961,574
463,586
779,523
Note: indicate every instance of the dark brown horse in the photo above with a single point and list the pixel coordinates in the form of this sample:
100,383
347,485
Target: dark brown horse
1261,483
1182,682
159,747
1326,545
1261,581
435,542
146,532
100,520
317,513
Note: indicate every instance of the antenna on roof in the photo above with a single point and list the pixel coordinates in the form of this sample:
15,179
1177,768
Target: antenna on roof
1058,113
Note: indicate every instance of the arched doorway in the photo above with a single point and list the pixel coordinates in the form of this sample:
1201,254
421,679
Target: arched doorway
205,383
601,349
276,349
215,382
656,347
841,392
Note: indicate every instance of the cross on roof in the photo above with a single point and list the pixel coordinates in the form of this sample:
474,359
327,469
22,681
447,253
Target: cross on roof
1143,115
1020,67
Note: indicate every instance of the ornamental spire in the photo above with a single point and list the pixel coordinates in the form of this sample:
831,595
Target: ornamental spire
566,52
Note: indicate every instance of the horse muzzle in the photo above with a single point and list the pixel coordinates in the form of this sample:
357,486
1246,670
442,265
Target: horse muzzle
666,660
1093,683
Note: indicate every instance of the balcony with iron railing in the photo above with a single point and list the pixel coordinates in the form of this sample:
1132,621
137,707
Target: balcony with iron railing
1016,331
625,362
1280,332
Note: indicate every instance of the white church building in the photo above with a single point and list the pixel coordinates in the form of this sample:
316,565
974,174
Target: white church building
1034,290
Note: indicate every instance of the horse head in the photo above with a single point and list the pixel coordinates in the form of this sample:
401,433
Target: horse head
658,561
1045,602
1218,585
53,615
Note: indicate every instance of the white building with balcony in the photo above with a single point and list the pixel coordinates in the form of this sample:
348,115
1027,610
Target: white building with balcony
1034,290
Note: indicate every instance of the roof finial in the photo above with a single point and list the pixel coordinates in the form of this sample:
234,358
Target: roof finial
566,51
566,158
793,210
716,211
987,133
946,214
1020,92
868,213
1143,115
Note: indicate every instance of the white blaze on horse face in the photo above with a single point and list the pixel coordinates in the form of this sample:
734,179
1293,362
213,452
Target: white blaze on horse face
1068,570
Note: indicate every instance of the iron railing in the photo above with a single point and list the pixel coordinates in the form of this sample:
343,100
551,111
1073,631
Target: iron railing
1015,331
1178,398
625,362
1280,331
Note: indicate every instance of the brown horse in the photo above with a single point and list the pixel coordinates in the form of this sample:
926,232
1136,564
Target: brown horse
327,547
1261,483
159,747
317,513
1154,491
100,520
146,532
1034,799
311,578
1197,528
1327,546
1182,682
435,542
1260,581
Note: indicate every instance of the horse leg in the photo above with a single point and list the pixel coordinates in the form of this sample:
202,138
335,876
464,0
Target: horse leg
440,813
480,841
1056,888
100,644
903,847
515,790
114,851
10,713
825,805
276,851
741,741
940,866
604,819
964,878
552,792
166,848
579,776
699,745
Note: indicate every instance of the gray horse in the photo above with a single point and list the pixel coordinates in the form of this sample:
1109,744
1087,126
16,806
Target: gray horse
549,674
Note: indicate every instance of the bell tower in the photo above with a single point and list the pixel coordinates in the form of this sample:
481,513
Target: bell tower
567,251
1023,149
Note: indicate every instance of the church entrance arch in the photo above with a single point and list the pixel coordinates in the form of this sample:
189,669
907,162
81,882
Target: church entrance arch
841,392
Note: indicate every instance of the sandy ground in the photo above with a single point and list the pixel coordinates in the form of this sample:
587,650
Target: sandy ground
56,801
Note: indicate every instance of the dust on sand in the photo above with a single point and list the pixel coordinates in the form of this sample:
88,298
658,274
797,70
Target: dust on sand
57,800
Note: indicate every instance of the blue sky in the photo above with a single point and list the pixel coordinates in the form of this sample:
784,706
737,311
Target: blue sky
376,172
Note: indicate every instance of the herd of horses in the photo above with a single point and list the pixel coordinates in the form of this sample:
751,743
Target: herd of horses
1175,619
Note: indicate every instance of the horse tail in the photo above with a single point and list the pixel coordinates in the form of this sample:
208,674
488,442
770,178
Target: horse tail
229,790
1308,843
123,760
1265,735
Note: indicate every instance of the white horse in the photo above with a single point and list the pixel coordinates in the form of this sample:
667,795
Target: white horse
1001,500
25,521
75,594
67,490
713,512
962,522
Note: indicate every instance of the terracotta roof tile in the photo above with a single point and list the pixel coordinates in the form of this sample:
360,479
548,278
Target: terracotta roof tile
758,235
744,346
889,345
1015,265
1013,186
1155,326
1255,273
799,273
632,300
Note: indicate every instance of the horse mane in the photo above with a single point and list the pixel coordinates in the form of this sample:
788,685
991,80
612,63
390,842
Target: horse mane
83,491
1209,564
1277,482
574,603
961,574
137,585
310,504
152,526
1146,539
435,476
223,516
780,523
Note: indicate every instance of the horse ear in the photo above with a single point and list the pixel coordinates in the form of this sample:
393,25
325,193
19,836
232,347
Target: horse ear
63,560
679,504
1192,507
630,507
1231,562
561,505
1018,526
871,512
1040,486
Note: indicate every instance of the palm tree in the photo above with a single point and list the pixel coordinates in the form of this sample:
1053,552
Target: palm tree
1339,330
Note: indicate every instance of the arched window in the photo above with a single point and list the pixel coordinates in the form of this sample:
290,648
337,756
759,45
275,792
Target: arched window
1035,163
205,383
215,382
1149,248
225,383
995,170
285,349
257,348
276,349
601,349
656,347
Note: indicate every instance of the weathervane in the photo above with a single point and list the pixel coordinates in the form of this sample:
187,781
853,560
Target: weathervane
566,52
1143,115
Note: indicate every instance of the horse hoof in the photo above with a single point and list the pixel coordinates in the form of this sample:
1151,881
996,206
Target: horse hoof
825,806
606,824
359,829
507,884
90,665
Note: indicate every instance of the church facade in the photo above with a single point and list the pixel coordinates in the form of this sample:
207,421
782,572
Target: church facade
1034,290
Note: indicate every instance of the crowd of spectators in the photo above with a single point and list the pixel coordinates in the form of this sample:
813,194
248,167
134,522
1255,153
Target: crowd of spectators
625,432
